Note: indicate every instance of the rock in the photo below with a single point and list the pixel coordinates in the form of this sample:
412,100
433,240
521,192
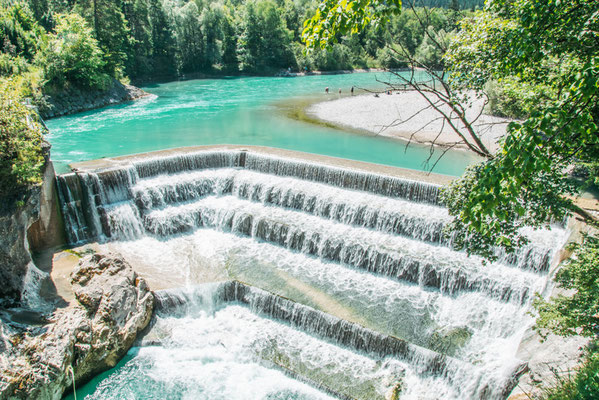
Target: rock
91,335
15,221
74,99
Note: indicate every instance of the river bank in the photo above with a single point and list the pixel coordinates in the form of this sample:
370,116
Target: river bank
406,116
74,99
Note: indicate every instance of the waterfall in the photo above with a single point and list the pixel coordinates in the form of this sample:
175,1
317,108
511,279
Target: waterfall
355,258
338,331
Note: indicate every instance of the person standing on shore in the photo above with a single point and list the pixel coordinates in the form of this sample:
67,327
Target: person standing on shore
352,90
326,90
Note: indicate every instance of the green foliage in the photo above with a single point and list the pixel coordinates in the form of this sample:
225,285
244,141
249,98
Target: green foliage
72,55
162,39
109,27
21,158
514,98
388,58
335,18
577,313
428,53
584,385
28,84
10,65
589,172
20,35
265,40
548,44
140,37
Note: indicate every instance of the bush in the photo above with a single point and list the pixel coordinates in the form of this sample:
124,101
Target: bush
584,385
10,65
21,155
513,98
579,312
71,54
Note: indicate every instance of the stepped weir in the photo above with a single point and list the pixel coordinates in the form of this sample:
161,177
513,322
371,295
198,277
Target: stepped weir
346,259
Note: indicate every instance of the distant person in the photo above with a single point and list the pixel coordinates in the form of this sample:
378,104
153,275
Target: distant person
339,90
326,90
352,90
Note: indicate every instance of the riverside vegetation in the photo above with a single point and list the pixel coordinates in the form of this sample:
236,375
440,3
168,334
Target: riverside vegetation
551,82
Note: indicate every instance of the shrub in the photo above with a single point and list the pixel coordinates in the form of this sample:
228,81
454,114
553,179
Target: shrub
584,385
71,54
21,155
577,313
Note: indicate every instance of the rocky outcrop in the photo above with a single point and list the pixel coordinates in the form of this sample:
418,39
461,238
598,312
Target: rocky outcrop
16,218
75,99
89,336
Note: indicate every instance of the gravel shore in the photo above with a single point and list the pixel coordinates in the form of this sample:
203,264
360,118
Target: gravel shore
404,115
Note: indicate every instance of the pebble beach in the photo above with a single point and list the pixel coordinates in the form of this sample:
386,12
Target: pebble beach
407,116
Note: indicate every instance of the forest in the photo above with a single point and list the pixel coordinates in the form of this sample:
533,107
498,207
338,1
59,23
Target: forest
86,42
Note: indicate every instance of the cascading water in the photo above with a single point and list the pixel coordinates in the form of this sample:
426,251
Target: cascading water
359,260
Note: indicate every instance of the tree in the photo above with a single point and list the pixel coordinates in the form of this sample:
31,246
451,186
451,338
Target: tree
189,37
229,45
526,183
137,13
72,55
163,41
20,35
335,18
249,45
212,23
110,30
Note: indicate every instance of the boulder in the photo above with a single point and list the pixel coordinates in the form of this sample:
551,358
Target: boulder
87,337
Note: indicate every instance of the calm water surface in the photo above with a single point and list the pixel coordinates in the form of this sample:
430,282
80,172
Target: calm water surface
232,111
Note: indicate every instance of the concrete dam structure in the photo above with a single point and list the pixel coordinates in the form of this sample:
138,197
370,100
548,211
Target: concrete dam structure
336,275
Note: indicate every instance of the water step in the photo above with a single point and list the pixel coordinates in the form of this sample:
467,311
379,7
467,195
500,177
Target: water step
392,256
349,335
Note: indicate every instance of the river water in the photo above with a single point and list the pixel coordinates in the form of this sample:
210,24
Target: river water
248,110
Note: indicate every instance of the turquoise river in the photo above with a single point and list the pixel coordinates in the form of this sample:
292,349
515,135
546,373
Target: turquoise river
249,110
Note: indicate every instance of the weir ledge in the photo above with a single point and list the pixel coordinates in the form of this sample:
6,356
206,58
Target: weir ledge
405,173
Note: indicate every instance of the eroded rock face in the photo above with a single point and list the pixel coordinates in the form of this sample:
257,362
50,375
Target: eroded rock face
75,99
35,222
14,249
93,334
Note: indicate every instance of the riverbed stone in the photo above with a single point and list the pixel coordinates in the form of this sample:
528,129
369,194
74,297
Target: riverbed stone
90,335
